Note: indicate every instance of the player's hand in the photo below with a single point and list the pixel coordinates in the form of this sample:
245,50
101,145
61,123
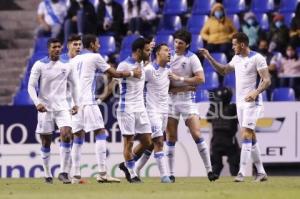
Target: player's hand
173,77
41,108
251,96
137,72
204,52
74,110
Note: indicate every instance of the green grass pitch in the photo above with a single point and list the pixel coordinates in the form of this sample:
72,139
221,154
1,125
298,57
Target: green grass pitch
184,188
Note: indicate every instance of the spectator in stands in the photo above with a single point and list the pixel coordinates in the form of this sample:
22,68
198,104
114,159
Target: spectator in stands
289,64
251,28
81,18
263,47
50,16
295,28
138,16
279,34
110,17
218,31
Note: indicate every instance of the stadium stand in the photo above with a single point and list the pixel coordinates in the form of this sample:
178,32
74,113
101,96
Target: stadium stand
283,94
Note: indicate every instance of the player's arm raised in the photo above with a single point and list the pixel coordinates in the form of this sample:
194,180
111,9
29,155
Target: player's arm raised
223,69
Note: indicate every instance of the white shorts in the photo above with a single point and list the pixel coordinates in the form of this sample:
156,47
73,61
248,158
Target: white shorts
158,123
47,120
182,104
88,118
248,113
133,123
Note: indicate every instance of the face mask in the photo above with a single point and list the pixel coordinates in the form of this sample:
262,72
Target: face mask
250,22
278,24
107,1
290,53
219,14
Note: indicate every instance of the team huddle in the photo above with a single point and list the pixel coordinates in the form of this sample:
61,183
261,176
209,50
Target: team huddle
155,91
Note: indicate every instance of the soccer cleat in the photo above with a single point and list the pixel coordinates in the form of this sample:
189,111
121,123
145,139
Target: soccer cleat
125,170
239,178
49,180
212,176
135,180
64,178
165,179
172,178
107,179
78,180
261,177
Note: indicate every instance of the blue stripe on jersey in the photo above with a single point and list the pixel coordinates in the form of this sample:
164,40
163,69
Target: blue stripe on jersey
123,93
130,60
94,88
45,60
252,53
64,56
188,53
155,65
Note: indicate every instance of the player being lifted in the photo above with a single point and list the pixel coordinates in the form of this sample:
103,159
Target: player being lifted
187,66
51,75
246,64
89,117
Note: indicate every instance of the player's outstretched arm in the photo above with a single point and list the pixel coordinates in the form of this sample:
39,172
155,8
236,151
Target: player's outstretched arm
265,82
175,90
220,68
197,79
137,73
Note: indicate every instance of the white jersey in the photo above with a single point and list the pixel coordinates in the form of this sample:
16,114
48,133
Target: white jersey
246,74
87,65
131,88
54,13
52,77
157,87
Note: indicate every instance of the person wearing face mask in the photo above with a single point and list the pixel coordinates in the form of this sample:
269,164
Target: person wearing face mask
251,29
218,31
279,34
80,19
110,17
50,17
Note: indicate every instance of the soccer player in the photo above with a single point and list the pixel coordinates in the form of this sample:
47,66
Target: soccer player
89,117
246,64
131,113
51,75
185,64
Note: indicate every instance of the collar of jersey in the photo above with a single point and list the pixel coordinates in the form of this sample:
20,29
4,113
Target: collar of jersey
156,66
85,51
187,53
65,56
130,60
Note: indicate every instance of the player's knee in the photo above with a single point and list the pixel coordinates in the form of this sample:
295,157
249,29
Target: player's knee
247,134
158,145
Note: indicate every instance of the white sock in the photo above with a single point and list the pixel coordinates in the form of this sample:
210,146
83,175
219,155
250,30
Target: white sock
45,154
245,156
64,152
160,161
204,153
131,167
142,161
171,156
101,152
76,155
70,161
257,159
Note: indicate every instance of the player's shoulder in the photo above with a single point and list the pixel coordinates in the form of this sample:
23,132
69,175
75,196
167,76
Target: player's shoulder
190,54
129,61
255,55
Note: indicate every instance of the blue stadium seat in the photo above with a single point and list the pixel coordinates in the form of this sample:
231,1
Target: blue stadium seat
264,96
196,22
220,57
288,5
288,16
229,80
22,98
41,45
262,6
263,21
202,7
197,43
168,39
211,80
127,41
154,5
283,94
236,21
202,95
234,6
175,7
169,24
107,45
